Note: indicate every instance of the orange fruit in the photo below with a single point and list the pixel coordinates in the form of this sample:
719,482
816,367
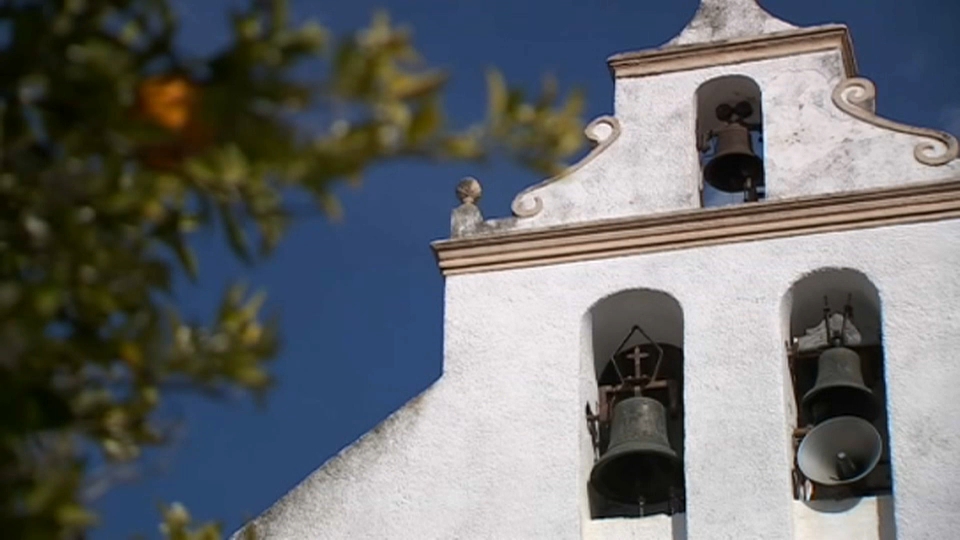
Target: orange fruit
172,102
167,100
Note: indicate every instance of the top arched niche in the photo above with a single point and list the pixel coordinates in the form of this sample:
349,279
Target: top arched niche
656,312
735,178
804,302
727,89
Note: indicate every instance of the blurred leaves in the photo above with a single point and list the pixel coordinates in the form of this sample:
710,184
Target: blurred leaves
115,148
178,525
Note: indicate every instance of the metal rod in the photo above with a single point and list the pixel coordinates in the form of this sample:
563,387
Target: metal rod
843,328
613,357
847,314
826,320
616,368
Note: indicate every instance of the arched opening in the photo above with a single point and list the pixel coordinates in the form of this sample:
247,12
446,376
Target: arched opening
836,365
636,424
730,141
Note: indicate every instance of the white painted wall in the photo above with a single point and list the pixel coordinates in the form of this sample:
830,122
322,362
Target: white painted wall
495,448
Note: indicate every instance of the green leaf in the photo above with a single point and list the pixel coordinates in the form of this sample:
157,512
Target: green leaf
278,14
75,516
575,105
426,121
236,236
187,258
252,377
312,36
99,199
47,300
235,166
410,86
200,170
330,205
252,307
496,96
548,93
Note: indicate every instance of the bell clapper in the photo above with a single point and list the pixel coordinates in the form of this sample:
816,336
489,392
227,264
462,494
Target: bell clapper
846,467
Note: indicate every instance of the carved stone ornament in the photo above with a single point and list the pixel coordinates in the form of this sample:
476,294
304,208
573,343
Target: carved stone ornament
469,190
857,97
603,131
466,219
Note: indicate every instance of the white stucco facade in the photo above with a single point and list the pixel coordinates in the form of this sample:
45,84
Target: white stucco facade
498,447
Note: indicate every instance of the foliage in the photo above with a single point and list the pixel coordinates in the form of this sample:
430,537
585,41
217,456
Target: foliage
177,525
115,147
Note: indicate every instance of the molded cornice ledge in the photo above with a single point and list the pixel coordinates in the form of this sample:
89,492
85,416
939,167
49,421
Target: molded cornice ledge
735,51
702,227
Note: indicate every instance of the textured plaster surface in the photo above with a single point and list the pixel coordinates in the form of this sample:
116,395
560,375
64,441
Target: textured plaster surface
811,147
652,527
495,448
721,20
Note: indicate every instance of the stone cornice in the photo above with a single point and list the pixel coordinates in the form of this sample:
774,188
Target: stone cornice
735,51
700,227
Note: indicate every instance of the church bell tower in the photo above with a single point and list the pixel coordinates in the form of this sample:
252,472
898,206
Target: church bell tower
735,317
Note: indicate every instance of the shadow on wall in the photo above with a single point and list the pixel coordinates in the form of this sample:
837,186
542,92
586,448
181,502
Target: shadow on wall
887,526
679,523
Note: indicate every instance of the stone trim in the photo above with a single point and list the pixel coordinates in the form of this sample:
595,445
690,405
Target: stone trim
602,139
701,227
857,97
687,57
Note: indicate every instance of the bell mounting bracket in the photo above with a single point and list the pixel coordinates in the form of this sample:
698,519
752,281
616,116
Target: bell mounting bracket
633,383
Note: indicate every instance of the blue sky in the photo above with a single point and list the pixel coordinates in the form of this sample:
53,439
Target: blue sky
362,300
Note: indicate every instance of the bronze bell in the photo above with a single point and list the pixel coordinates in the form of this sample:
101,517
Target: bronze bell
734,167
639,465
840,451
839,390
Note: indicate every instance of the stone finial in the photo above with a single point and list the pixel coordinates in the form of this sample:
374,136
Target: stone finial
469,190
720,20
466,218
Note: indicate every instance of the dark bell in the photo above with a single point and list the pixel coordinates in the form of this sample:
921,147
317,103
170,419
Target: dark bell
734,164
639,463
842,450
839,390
